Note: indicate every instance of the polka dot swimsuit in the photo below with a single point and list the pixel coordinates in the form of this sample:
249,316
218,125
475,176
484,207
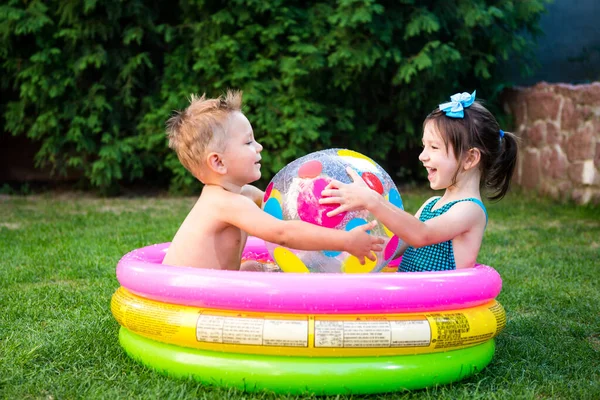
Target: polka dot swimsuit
436,257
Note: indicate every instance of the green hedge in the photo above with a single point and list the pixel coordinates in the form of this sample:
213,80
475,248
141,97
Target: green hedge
94,82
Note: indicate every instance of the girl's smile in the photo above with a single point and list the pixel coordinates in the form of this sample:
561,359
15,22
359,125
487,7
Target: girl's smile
430,173
440,162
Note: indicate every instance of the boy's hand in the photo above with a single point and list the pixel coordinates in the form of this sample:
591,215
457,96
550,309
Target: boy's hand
352,196
362,245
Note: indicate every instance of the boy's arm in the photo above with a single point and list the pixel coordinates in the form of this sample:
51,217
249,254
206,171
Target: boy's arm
241,212
254,194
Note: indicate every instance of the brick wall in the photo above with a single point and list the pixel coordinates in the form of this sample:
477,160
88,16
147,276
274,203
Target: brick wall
559,127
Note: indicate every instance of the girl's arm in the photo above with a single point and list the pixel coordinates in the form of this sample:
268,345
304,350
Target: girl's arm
401,250
357,195
405,245
456,221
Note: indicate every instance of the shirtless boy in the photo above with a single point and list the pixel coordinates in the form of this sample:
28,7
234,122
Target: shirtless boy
215,142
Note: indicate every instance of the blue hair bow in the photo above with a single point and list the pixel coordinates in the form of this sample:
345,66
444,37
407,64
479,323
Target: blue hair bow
459,101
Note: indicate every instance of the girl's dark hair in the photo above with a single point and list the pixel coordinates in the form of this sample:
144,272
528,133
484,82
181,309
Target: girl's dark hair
479,129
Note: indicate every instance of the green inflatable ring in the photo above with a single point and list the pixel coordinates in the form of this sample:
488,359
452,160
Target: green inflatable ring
302,375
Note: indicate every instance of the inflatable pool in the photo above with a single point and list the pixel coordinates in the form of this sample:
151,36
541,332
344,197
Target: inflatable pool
306,333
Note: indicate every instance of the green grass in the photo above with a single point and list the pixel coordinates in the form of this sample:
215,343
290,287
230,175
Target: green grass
58,339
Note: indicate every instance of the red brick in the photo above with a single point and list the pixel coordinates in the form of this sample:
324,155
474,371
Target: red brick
567,90
596,124
558,164
565,188
569,118
516,178
582,195
585,113
545,155
553,134
590,94
580,145
530,174
542,105
580,94
536,134
576,172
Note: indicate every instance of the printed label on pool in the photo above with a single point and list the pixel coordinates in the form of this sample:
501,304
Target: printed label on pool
252,331
361,332
312,335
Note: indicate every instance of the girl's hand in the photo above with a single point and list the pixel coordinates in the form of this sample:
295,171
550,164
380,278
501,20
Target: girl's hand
352,196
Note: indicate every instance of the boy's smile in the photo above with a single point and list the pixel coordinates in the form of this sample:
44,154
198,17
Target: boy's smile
242,153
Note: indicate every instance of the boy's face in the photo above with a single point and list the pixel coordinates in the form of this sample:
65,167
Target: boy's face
242,153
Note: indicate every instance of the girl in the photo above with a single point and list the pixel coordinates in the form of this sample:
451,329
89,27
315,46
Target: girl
464,149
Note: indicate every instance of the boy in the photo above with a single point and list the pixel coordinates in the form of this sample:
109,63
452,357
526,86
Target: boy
215,142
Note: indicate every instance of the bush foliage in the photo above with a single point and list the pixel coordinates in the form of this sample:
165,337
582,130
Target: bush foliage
94,82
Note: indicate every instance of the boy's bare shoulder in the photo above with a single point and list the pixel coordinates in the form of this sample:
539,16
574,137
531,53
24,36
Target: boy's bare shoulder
222,200
254,194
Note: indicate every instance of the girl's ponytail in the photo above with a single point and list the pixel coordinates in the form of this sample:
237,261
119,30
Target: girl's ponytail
497,179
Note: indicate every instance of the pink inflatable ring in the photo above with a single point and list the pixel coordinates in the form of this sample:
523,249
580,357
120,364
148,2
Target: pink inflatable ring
142,273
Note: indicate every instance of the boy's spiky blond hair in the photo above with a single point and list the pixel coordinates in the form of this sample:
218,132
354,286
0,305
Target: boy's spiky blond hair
201,125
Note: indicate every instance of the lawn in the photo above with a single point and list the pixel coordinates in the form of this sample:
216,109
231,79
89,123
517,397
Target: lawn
58,339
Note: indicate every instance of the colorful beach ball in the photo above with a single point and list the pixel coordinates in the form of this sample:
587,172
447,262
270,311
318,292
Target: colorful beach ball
294,193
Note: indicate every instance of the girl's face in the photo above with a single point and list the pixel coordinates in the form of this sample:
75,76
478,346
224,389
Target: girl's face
440,162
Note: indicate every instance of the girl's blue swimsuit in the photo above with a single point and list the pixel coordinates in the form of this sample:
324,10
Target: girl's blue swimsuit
436,257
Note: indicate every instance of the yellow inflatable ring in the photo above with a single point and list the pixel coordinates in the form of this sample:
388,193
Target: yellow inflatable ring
307,335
